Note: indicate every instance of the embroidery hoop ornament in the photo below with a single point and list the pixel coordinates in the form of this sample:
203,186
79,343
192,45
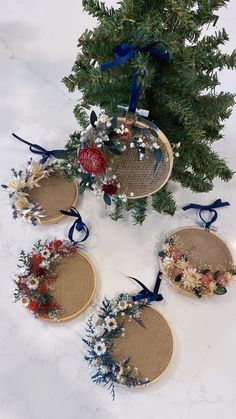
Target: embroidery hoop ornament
40,191
194,260
57,282
136,167
114,338
130,177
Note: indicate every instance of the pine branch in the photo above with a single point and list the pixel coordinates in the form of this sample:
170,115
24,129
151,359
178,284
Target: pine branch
97,9
81,116
117,209
138,208
162,201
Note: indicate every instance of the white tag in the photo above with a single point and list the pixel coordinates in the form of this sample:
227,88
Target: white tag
140,112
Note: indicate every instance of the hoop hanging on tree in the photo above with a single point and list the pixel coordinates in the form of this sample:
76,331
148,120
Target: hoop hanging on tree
125,156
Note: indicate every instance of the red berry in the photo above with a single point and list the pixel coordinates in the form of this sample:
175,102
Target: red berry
110,188
92,160
33,305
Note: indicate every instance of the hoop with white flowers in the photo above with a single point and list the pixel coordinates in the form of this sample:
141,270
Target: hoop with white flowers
37,193
129,343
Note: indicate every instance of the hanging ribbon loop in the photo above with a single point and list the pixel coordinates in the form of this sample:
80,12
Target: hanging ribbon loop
123,53
78,225
211,208
146,293
37,149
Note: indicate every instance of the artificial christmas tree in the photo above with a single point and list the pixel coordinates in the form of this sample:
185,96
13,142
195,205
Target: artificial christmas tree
180,94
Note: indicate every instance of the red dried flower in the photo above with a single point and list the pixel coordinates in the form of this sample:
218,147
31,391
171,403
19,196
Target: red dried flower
126,135
57,243
42,288
33,305
92,160
36,260
110,188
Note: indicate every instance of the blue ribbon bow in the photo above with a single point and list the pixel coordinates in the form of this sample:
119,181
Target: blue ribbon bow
79,225
211,208
123,53
37,149
146,293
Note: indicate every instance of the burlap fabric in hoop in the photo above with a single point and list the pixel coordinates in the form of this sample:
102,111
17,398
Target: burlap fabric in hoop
55,193
145,177
149,348
205,250
74,287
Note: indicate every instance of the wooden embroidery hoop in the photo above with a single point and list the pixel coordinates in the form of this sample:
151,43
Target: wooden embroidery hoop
65,195
200,261
60,288
146,359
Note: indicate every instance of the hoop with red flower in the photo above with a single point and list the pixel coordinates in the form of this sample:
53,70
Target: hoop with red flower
34,284
94,155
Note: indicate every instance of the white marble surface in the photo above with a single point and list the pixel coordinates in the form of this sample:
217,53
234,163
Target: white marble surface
42,371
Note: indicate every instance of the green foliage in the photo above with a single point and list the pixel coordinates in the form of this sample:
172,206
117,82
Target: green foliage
180,94
138,208
162,201
117,209
69,167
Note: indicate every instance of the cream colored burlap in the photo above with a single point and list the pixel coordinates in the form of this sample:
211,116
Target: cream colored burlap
55,193
142,177
149,348
74,286
204,249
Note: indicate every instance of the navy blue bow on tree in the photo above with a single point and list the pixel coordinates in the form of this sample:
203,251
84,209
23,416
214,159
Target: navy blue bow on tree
78,225
37,149
211,208
146,293
123,53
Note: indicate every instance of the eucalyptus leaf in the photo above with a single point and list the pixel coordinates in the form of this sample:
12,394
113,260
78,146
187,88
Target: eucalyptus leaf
113,123
60,154
86,177
217,274
178,278
158,155
93,119
197,293
220,290
82,187
107,199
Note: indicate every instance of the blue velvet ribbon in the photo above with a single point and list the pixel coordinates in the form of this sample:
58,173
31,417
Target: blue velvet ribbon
78,225
146,293
123,53
37,149
211,208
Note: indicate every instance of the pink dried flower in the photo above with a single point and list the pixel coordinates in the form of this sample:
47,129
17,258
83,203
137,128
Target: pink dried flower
177,271
207,278
175,254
